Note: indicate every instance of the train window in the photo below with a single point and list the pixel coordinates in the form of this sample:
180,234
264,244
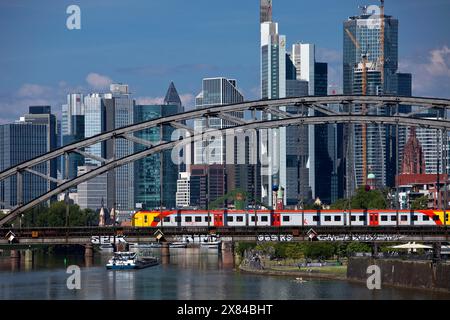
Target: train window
327,218
435,218
315,218
393,218
240,219
253,219
264,219
362,218
415,217
166,219
198,219
177,219
145,219
384,218
286,218
404,218
337,218
156,219
353,218
230,218
207,219
426,218
188,219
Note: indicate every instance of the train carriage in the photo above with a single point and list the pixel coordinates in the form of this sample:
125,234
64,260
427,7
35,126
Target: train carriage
278,218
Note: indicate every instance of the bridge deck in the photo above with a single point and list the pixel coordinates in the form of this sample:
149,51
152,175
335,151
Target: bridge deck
83,235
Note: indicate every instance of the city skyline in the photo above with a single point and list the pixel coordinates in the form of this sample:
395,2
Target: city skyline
38,71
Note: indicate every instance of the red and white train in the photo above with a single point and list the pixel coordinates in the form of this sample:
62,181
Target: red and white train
236,218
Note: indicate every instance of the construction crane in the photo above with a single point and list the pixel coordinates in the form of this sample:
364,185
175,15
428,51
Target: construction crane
364,107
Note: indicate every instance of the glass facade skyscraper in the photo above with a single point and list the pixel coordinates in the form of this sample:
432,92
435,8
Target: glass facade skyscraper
119,108
272,142
43,115
149,173
319,163
19,142
367,34
93,193
94,123
220,91
381,139
72,130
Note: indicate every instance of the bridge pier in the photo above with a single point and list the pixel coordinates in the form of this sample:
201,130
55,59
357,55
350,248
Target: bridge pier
88,250
15,260
436,252
15,254
165,253
374,249
28,259
227,246
227,254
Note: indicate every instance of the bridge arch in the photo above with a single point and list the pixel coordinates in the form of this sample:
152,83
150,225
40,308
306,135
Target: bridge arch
319,104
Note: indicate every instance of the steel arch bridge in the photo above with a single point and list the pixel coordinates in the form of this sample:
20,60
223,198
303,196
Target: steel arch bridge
274,109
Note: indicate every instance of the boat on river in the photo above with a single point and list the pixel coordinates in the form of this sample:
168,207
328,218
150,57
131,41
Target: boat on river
130,260
211,244
154,245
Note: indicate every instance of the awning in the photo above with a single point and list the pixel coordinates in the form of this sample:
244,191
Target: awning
411,246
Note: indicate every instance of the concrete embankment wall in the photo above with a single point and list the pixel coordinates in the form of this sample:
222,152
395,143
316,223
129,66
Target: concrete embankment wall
413,274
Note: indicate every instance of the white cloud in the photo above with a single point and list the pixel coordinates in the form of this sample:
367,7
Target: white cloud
98,81
188,100
33,90
431,73
149,100
439,64
328,55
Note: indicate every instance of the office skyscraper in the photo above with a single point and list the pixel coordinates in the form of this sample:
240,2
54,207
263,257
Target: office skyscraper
362,37
72,130
221,91
265,11
150,173
94,123
43,115
119,108
297,176
93,193
172,97
183,195
319,137
31,136
273,86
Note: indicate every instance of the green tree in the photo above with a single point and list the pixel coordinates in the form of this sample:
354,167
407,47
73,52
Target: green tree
312,206
420,203
341,204
355,246
242,246
55,216
295,250
266,248
364,199
315,250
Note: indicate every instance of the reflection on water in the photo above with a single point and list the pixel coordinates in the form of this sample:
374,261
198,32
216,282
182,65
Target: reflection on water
192,273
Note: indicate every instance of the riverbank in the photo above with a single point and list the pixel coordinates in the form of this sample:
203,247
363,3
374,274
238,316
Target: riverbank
328,273
424,275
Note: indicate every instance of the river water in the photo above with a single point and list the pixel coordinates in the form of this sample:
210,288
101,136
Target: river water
192,273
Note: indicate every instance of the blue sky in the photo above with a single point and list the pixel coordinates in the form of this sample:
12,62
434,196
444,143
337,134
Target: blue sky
148,43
